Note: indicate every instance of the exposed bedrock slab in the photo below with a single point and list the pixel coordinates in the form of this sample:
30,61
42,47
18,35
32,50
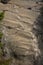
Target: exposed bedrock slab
20,31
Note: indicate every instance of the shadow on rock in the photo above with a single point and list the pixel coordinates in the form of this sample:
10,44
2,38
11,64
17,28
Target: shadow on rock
38,31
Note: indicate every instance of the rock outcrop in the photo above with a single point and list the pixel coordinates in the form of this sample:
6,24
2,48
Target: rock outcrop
21,31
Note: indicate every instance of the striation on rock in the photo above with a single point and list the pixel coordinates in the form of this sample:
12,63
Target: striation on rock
20,41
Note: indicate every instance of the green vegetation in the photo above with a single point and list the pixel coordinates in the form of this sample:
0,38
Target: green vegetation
2,60
5,62
0,39
1,35
1,45
1,15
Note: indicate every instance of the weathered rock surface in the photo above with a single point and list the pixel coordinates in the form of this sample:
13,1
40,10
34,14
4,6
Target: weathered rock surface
19,37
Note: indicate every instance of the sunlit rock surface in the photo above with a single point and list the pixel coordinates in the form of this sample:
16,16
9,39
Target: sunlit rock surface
20,31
